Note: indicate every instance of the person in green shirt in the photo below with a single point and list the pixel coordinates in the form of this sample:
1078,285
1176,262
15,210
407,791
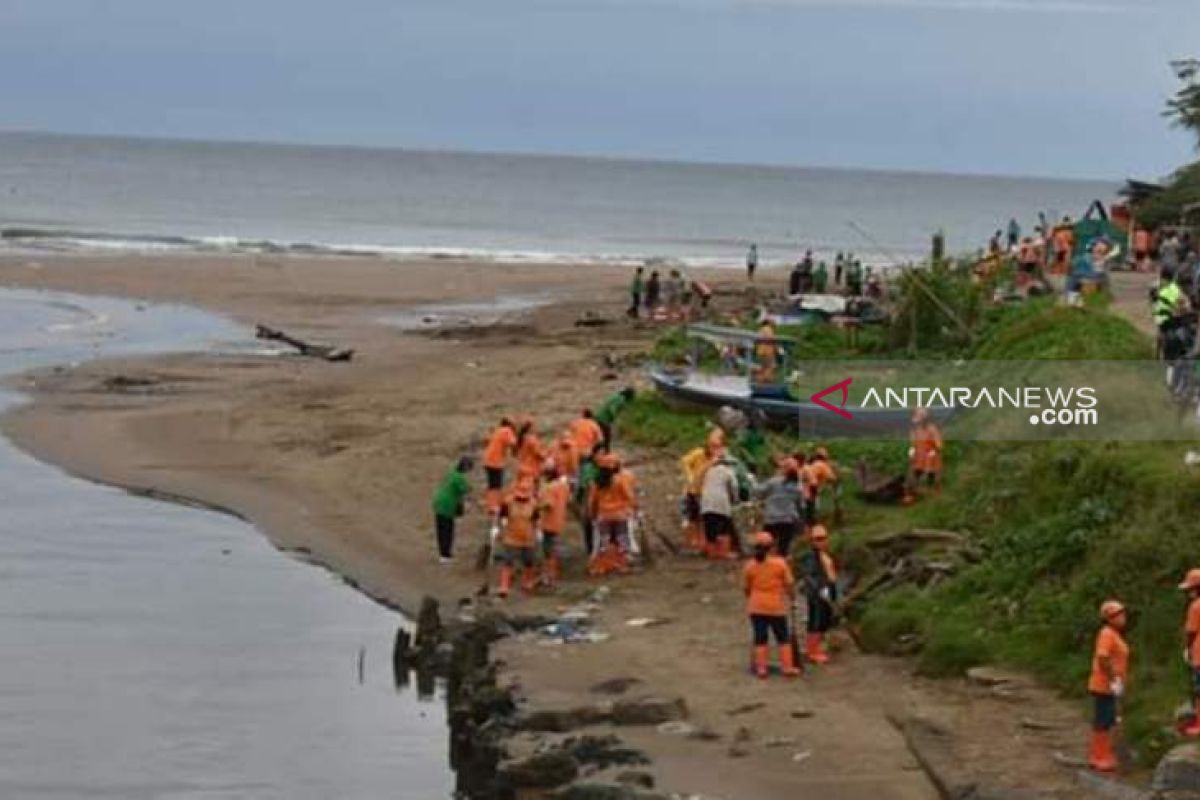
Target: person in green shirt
606,415
448,503
821,277
588,472
635,292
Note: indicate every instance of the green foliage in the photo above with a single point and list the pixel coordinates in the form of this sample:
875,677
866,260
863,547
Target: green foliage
648,420
936,309
1040,329
1166,207
1183,109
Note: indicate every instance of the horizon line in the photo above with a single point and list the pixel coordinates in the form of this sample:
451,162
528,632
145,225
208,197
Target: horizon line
580,156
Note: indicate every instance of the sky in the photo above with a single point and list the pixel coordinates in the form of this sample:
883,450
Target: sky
1070,88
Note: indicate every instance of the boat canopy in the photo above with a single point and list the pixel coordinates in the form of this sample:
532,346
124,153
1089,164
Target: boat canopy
720,335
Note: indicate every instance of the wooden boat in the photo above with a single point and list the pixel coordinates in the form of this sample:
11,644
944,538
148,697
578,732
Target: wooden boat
691,387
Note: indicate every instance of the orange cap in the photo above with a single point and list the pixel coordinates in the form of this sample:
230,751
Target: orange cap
1111,609
764,539
1191,580
819,534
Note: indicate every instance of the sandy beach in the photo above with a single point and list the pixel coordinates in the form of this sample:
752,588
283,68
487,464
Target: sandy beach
338,461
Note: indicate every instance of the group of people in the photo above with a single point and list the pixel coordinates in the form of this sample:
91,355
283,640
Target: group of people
1110,671
714,483
672,299
531,490
809,276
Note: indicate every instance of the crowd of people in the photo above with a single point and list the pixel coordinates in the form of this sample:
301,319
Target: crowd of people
678,297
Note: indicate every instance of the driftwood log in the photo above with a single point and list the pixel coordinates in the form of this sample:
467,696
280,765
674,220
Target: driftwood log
322,351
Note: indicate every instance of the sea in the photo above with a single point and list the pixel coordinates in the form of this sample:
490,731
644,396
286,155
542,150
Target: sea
91,194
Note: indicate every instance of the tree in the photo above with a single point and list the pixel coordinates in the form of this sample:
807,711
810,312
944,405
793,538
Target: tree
1184,108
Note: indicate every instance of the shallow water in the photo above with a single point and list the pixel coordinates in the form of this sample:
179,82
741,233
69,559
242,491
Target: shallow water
156,651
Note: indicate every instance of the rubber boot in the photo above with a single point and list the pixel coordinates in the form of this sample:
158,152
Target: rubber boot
787,664
762,655
552,571
491,501
1100,754
506,576
1192,728
813,650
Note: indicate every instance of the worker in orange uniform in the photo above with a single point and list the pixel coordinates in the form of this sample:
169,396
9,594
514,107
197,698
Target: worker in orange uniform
586,432
553,499
500,445
924,455
530,453
519,518
1110,671
694,464
765,354
768,584
1141,248
612,503
820,588
566,457
818,473
1191,649
1064,246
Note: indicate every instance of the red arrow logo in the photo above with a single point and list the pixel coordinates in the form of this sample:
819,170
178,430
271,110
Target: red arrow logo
840,409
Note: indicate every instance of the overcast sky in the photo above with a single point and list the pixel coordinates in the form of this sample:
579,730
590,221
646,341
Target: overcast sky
1048,87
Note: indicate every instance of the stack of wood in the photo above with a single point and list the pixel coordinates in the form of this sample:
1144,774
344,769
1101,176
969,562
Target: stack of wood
921,557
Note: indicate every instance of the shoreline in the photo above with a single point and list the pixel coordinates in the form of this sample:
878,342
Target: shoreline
338,461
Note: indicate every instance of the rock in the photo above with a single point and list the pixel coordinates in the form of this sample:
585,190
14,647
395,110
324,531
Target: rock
564,720
648,711
541,771
636,778
1179,769
704,735
615,686
603,751
992,677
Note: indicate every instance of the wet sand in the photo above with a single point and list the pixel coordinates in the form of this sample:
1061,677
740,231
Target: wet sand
341,459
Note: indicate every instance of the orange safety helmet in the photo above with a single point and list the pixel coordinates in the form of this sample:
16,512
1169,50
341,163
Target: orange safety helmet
1191,580
1111,609
819,534
764,539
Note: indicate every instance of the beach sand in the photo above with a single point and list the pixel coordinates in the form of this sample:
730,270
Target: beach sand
338,461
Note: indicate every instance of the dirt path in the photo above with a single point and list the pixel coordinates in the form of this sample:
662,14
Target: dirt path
338,461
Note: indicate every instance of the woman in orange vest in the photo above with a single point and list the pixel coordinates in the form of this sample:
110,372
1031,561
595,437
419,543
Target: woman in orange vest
817,474
566,457
530,454
820,585
1110,671
519,517
768,585
495,456
611,505
924,455
586,432
553,500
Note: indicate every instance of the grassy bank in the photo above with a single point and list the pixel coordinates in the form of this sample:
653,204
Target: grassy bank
1060,527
